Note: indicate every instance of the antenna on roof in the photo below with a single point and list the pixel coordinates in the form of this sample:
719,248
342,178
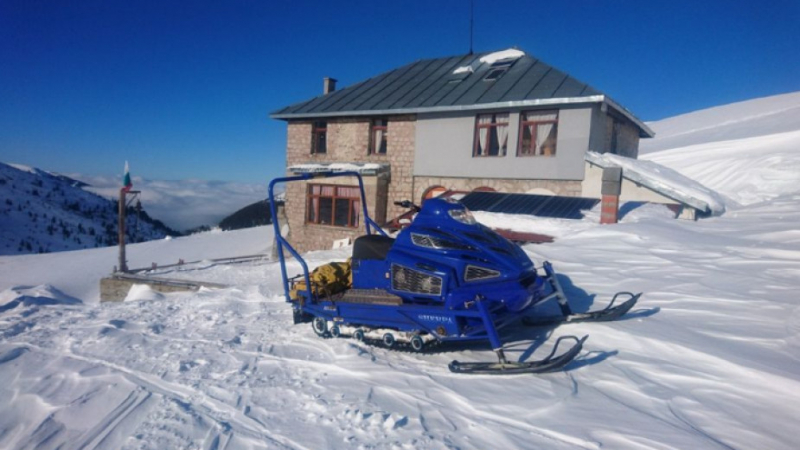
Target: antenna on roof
471,14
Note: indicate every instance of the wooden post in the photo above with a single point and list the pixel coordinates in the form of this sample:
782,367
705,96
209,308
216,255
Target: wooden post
123,265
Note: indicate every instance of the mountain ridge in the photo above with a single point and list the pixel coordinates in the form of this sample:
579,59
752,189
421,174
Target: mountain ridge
43,212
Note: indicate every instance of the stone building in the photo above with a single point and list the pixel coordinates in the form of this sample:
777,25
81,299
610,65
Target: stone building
502,121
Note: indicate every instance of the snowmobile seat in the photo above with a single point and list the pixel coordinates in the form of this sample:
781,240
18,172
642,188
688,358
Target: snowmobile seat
372,246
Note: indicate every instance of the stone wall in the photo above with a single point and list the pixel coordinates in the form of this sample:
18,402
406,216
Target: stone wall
348,141
569,188
306,237
400,157
115,288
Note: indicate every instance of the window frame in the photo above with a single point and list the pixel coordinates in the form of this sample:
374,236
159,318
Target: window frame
319,129
354,205
535,127
495,73
371,149
476,134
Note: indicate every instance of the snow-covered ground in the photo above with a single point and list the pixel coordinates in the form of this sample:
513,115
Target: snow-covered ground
710,358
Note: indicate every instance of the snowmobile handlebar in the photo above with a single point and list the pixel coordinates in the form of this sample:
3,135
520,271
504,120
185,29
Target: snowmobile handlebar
408,205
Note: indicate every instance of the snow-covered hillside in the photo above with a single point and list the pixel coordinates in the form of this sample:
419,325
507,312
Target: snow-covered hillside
42,212
709,359
748,151
751,118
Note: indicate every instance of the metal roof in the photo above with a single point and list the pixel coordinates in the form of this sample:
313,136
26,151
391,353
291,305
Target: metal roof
430,85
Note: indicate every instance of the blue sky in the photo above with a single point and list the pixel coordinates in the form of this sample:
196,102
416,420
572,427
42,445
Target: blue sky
183,89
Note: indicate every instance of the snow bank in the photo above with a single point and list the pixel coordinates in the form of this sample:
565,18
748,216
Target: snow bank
748,170
503,55
27,296
142,292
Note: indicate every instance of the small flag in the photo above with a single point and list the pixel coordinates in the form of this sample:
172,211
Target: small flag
127,180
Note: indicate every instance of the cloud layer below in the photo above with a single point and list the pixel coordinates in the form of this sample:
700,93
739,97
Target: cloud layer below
182,204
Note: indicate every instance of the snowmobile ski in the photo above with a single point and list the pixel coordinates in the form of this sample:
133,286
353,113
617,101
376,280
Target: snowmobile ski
551,363
606,314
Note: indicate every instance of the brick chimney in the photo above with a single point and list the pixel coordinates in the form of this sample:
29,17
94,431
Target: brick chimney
611,189
328,85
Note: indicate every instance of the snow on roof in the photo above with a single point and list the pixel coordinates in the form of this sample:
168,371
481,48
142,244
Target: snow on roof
503,55
468,68
362,168
663,180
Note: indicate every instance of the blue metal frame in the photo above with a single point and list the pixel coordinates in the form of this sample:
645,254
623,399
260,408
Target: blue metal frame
281,242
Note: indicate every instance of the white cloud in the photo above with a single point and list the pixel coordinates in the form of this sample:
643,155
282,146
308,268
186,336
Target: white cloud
182,204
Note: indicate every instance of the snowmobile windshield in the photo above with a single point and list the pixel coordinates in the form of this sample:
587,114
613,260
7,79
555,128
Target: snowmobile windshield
463,216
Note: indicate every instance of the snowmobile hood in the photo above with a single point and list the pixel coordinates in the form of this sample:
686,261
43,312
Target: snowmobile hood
447,226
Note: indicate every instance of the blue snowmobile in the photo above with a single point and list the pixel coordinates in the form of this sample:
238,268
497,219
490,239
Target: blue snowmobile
444,278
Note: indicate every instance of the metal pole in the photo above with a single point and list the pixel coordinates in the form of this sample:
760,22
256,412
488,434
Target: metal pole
471,14
123,266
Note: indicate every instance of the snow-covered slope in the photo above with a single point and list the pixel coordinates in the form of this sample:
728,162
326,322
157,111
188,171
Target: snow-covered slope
748,170
44,212
758,117
748,151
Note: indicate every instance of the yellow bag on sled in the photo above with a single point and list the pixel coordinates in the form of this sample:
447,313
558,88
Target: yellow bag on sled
326,280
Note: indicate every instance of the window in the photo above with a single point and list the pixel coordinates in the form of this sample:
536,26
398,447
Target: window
319,137
496,73
491,135
333,205
497,69
377,136
538,132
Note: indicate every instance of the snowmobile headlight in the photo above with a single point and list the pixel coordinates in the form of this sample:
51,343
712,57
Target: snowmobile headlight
463,216
475,273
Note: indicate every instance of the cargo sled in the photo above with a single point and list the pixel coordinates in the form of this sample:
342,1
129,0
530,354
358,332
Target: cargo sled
444,278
